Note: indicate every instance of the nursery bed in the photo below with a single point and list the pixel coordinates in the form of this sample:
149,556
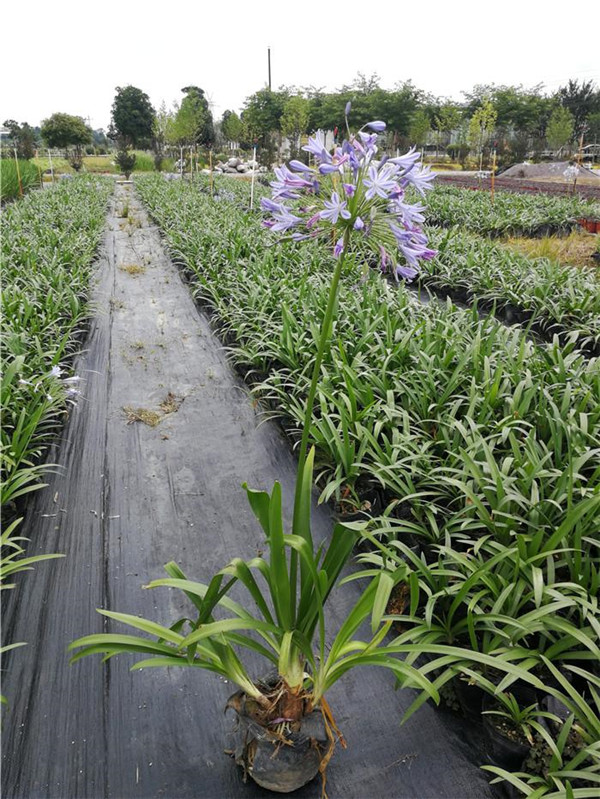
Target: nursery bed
521,186
129,497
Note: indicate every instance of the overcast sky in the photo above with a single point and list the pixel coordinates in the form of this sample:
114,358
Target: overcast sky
69,56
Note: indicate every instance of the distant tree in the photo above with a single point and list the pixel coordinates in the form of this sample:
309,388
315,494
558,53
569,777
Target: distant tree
195,109
262,119
560,128
582,100
22,138
419,127
369,101
517,146
232,127
448,118
68,133
181,127
132,124
294,121
481,127
132,117
459,148
99,139
159,134
593,131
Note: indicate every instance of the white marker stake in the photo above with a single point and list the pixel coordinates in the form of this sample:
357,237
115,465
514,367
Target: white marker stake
252,184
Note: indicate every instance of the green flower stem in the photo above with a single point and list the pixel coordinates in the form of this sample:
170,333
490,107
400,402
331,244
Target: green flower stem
324,337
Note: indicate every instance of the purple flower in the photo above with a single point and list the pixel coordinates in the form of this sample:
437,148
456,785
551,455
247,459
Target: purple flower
348,107
329,169
368,140
408,160
420,179
406,272
412,244
335,209
385,259
373,207
298,166
316,146
268,205
284,220
380,182
286,183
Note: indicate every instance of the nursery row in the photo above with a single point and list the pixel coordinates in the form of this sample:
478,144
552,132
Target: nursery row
508,214
550,297
539,293
48,244
474,453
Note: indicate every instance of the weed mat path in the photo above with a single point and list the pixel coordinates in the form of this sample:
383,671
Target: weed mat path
151,466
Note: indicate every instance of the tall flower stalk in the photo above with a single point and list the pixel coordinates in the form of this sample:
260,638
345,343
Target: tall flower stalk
350,196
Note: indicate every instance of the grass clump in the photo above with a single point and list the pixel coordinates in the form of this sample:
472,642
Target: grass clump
10,186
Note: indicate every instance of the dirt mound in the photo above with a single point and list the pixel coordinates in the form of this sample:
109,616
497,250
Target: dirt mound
554,169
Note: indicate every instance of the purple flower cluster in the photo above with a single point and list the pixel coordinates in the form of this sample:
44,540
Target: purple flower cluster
351,191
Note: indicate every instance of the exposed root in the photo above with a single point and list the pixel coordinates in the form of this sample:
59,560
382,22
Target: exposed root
330,728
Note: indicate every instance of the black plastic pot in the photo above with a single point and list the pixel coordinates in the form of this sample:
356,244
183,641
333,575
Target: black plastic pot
503,751
470,698
280,761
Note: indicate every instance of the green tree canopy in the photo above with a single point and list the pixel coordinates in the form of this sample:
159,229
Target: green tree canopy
294,120
70,134
22,138
419,127
582,100
64,131
196,116
232,127
481,127
560,128
262,113
132,117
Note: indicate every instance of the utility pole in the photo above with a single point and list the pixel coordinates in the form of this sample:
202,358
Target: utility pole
269,63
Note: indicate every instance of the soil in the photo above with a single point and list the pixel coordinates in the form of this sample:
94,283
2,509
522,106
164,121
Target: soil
127,498
550,170
583,187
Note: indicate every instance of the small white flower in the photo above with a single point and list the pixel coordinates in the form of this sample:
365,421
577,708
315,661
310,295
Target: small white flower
56,371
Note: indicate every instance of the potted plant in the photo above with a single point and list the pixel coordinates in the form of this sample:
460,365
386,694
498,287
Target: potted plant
510,728
287,731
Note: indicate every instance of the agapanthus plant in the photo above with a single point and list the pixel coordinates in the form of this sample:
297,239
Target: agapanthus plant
350,194
358,196
357,199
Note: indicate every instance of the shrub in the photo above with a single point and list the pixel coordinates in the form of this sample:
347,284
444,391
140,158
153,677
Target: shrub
143,162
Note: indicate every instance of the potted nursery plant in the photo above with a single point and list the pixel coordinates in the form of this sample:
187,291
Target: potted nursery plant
286,730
